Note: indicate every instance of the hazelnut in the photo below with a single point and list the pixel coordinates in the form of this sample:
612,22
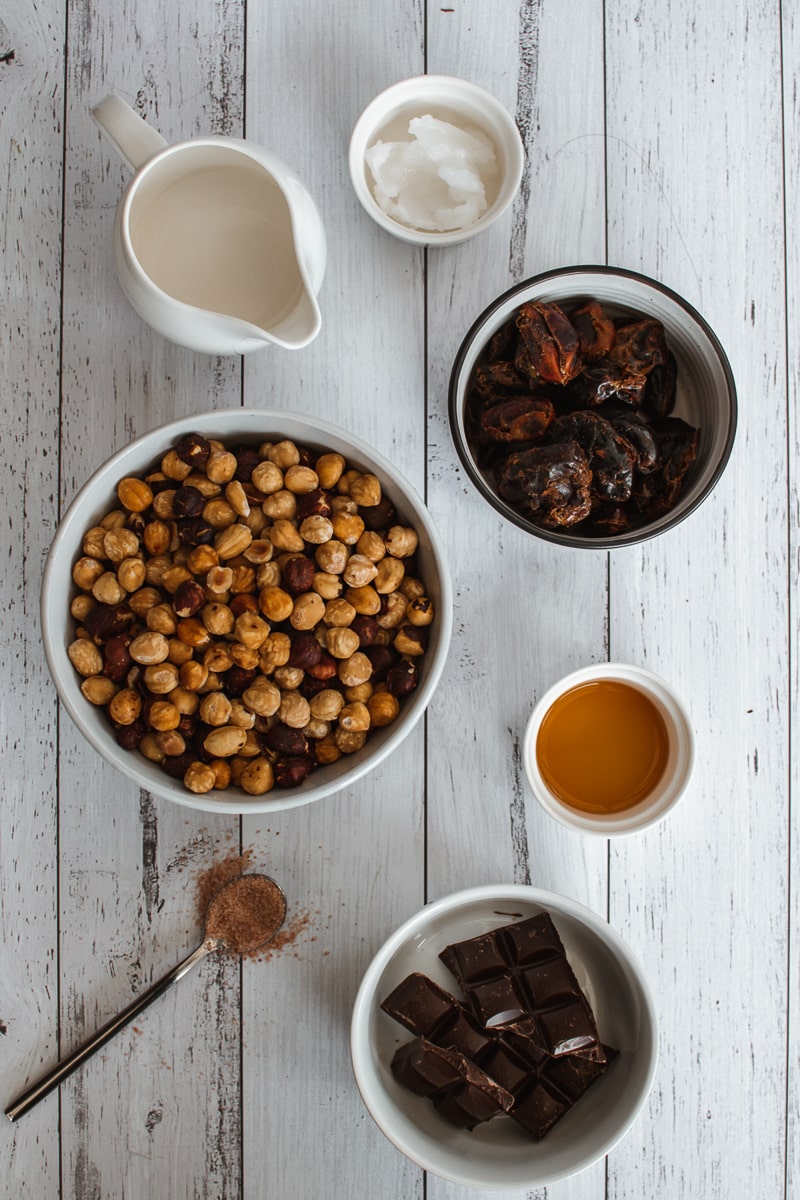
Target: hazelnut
269,575
155,570
179,652
349,741
329,469
200,778
419,611
161,619
215,709
119,544
316,529
343,485
131,574
401,541
225,741
192,675
280,505
125,707
284,454
222,772
354,670
171,742
94,542
409,640
341,642
218,513
192,449
275,604
232,541
219,579
162,715
105,621
114,519
315,503
129,736
366,628
347,527
173,578
339,612
354,718
144,599
157,536
284,536
282,739
326,751
262,697
134,494
241,715
85,657
174,467
389,574
81,605
237,679
393,610
326,705
290,772
305,652
202,559
324,669
401,678
150,748
189,598
288,678
365,490
161,678
237,498
267,477
185,701
308,611
359,570
364,600
247,459
371,545
150,647
301,480
294,710
98,689
331,557
275,651
259,551
327,586
192,632
359,691
383,708
257,777
221,466
250,630
195,531
188,501
107,589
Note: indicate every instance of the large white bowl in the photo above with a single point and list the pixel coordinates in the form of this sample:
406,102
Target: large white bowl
98,495
497,1155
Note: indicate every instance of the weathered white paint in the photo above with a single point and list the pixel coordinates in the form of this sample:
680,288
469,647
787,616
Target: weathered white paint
655,140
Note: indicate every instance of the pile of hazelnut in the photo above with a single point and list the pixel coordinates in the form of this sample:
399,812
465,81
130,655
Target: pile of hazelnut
247,614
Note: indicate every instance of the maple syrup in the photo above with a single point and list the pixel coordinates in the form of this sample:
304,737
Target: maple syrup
602,747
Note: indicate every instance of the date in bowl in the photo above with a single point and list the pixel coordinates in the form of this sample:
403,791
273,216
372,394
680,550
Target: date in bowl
592,407
98,721
496,1155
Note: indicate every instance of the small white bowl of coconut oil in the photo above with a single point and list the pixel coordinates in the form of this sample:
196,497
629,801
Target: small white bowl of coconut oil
435,159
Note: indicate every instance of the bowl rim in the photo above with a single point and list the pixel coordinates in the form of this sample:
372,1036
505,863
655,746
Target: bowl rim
64,546
366,998
575,541
408,87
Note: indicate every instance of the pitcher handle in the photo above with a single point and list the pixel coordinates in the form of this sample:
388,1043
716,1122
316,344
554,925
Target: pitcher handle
133,139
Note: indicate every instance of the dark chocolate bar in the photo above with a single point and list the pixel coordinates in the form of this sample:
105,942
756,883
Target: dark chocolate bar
521,971
428,1011
463,1093
529,1047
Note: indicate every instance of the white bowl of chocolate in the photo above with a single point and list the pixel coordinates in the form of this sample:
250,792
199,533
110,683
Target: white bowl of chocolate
246,610
504,1037
592,407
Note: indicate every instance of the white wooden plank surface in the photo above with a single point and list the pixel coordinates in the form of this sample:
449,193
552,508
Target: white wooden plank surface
31,101
656,139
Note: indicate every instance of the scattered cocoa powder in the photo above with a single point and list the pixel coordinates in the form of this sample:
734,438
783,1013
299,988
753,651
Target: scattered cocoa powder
235,866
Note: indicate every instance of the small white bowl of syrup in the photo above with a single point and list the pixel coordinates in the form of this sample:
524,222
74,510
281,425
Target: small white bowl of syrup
609,749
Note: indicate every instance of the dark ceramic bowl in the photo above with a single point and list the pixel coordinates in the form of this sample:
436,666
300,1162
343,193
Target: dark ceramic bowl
705,396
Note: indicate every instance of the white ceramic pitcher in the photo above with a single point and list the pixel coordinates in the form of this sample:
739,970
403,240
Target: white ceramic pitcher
217,243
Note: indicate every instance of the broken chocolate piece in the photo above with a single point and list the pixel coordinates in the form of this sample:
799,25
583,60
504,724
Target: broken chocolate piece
463,1093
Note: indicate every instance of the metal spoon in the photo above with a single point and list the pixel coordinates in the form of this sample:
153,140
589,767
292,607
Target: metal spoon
219,917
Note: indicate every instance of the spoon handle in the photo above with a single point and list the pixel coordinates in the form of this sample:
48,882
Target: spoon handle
67,1065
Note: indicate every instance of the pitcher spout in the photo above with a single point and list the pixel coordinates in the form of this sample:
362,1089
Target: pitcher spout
299,327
